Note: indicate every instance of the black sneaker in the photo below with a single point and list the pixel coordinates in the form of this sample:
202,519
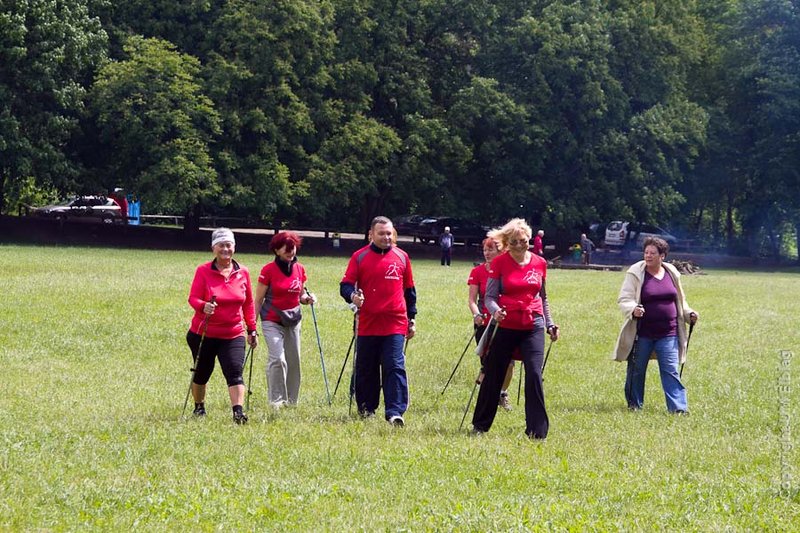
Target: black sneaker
240,418
199,410
397,421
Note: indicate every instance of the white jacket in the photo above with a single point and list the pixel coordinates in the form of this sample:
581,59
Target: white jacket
630,296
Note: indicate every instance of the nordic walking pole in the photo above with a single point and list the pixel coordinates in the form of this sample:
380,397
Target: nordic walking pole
469,402
691,328
547,356
196,358
355,354
489,345
453,373
319,345
346,357
251,354
519,383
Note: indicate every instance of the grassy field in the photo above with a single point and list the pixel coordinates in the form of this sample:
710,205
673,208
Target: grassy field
96,368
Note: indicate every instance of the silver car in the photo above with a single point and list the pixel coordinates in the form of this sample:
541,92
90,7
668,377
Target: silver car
84,209
617,233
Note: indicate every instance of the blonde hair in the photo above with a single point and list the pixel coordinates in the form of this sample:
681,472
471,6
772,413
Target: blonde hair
504,234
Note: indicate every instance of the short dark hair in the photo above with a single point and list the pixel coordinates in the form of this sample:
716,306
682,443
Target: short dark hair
379,220
661,245
290,239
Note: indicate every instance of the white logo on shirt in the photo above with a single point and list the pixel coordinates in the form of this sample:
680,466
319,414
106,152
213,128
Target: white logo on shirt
393,271
295,286
533,277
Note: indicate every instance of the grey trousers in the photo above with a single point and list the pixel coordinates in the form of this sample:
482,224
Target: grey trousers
283,362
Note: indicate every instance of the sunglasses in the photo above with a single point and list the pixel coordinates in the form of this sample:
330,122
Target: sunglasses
519,242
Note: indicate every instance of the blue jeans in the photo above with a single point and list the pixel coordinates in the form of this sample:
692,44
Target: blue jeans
380,362
666,349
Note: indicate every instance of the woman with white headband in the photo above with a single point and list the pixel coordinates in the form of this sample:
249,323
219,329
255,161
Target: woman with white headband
222,298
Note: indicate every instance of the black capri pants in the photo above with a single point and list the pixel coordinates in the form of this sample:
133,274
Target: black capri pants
230,353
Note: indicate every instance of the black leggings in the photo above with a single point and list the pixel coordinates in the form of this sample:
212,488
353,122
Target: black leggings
531,345
229,351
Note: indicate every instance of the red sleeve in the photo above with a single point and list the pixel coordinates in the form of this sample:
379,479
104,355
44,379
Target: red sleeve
408,276
248,308
351,274
197,293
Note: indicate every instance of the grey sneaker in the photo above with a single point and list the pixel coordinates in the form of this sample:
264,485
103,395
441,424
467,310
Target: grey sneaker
505,402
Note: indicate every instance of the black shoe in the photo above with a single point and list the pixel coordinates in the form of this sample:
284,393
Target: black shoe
240,418
199,409
531,435
475,432
681,412
366,414
397,421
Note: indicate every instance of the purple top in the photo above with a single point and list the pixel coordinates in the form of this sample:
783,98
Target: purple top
660,314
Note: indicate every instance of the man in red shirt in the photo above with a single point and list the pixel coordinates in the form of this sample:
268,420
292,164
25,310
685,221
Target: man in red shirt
379,281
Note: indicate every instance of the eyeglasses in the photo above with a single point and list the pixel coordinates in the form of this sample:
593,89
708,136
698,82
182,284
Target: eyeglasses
519,242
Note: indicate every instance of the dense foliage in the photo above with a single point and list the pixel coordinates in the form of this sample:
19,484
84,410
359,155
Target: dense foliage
327,112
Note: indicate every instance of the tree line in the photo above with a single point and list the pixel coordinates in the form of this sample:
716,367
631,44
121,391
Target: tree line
326,112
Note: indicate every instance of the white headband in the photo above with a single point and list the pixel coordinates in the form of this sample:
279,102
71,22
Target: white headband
222,235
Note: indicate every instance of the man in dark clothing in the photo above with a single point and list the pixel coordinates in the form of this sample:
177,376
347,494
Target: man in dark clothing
446,243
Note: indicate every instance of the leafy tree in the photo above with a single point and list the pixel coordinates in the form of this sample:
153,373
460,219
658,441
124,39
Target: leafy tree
155,126
47,52
354,172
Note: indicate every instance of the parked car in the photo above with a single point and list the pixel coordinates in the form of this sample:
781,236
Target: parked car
617,233
464,231
84,209
407,224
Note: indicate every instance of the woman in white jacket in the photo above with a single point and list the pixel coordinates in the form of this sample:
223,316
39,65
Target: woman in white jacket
656,312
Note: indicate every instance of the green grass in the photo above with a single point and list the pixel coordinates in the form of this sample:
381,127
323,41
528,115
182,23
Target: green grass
96,368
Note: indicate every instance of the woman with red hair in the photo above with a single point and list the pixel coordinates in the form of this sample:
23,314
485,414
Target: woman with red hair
280,292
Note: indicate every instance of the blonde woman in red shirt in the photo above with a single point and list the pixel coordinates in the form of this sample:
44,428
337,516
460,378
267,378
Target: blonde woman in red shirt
222,298
516,298
279,293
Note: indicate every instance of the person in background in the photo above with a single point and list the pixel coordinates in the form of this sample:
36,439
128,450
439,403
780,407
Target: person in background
656,314
480,315
538,243
279,294
587,247
380,283
222,299
446,244
122,201
517,300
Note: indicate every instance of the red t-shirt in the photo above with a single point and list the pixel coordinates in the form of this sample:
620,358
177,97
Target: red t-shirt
234,301
519,289
479,276
538,245
383,277
282,291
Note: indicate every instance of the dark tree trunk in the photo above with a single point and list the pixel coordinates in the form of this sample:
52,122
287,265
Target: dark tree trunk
797,239
191,221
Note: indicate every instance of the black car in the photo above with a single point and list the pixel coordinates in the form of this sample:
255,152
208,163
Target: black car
464,231
84,209
407,224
